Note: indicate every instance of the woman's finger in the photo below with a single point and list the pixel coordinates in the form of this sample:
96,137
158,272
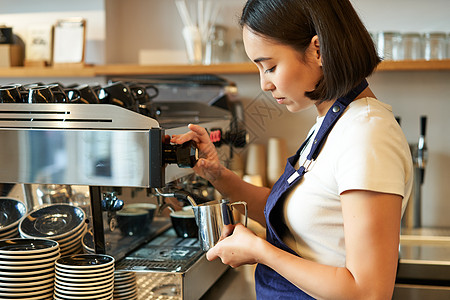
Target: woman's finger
182,138
211,254
201,132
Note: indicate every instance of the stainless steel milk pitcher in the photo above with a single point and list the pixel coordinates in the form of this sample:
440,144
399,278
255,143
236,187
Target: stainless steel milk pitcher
214,220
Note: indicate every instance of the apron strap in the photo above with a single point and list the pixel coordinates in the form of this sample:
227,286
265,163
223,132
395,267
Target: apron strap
333,114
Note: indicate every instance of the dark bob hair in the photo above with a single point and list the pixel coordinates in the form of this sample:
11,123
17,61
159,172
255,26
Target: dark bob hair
347,50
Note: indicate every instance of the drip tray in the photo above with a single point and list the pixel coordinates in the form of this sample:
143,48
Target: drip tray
165,253
169,267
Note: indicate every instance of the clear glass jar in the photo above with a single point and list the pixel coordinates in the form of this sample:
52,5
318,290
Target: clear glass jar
374,36
216,50
238,52
435,45
389,45
412,46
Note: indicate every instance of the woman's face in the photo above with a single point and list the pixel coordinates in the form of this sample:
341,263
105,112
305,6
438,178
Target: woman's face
283,71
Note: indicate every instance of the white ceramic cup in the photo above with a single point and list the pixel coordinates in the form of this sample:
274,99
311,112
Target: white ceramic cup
276,159
256,161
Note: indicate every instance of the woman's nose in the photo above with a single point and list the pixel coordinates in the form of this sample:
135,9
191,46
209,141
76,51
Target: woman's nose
266,85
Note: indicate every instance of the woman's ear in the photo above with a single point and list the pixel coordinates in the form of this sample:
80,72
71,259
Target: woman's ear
315,47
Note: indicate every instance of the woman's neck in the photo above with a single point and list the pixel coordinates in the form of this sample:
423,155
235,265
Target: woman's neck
323,107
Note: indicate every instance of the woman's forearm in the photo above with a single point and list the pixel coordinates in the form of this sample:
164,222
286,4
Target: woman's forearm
232,187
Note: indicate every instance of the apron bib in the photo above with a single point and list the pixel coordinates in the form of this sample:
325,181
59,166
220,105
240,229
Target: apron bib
270,284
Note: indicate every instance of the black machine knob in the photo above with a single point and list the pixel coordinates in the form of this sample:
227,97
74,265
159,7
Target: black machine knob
237,138
184,155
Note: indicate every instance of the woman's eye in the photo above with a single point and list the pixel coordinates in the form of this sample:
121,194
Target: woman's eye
269,70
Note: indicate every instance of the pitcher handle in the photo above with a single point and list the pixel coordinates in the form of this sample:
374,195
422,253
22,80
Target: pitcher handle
245,207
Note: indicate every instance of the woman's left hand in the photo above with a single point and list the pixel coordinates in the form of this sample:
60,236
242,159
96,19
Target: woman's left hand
237,249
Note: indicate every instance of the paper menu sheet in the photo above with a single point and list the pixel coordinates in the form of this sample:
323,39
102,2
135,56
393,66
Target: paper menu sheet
39,43
69,40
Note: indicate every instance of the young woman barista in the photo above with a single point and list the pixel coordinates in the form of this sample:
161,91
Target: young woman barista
333,218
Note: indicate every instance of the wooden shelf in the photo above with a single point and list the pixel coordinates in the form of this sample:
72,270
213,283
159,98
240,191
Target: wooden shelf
415,65
115,70
234,68
14,72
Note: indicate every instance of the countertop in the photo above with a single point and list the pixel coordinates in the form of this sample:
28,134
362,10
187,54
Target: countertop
236,284
420,246
424,255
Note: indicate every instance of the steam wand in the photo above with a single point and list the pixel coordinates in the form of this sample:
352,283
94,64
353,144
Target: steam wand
179,194
420,164
422,150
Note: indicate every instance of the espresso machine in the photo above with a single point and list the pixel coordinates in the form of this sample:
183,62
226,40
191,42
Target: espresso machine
102,157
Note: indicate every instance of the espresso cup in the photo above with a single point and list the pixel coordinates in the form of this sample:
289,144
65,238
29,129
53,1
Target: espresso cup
143,93
131,221
87,94
117,93
183,221
28,86
10,94
74,96
59,96
39,94
149,207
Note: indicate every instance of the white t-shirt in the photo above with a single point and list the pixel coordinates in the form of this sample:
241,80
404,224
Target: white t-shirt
365,150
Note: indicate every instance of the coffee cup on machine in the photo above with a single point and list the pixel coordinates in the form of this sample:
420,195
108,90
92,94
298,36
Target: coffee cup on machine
74,96
183,222
131,221
10,94
87,94
149,207
59,96
39,94
143,93
117,93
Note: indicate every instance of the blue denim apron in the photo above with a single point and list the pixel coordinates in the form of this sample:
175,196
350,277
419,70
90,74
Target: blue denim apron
270,284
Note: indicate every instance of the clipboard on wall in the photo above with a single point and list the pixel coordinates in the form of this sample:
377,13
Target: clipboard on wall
69,41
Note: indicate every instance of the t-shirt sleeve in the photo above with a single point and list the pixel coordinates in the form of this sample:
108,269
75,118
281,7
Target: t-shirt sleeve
374,156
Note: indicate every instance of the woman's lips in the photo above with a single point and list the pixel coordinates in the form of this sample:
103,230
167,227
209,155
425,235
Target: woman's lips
280,100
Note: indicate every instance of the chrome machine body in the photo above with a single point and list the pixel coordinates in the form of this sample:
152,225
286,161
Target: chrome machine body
109,150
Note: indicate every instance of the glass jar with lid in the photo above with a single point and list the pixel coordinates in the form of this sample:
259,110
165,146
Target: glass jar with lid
435,45
389,45
412,46
216,50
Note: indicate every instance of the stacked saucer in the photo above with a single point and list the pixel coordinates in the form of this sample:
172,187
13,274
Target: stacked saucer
88,242
63,223
125,286
84,276
27,268
11,212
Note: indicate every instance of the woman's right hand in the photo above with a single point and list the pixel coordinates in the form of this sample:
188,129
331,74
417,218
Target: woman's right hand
208,166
